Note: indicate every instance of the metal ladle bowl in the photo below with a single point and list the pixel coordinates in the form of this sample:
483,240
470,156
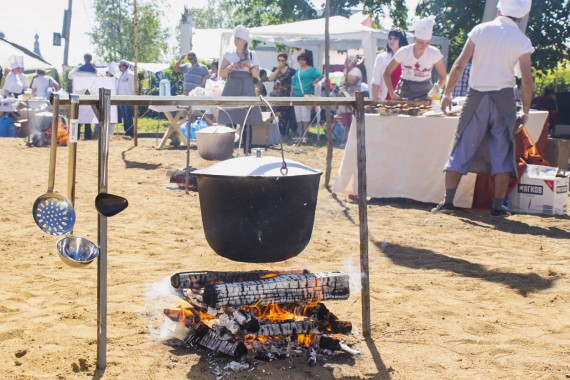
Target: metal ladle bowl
76,251
54,214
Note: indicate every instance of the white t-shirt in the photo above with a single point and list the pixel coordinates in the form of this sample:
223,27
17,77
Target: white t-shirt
232,57
499,44
15,83
414,69
41,85
380,63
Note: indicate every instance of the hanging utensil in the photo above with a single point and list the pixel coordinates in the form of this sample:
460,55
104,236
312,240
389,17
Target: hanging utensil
52,212
75,251
107,204
110,204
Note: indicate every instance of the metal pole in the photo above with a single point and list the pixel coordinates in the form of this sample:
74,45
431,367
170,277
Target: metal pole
104,121
67,33
363,213
136,108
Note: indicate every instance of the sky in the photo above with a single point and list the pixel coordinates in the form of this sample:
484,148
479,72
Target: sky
22,19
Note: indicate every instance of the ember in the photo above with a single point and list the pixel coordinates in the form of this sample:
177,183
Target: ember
263,314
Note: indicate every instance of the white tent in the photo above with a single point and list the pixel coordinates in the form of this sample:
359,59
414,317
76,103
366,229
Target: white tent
344,34
31,60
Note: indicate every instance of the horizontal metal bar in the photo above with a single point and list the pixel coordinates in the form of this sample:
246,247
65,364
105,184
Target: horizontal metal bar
229,101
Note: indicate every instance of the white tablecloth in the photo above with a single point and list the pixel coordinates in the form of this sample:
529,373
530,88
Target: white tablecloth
405,157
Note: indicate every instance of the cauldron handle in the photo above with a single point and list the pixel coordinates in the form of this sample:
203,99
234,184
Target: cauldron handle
283,169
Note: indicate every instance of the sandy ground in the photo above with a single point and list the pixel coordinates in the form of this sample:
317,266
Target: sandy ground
453,297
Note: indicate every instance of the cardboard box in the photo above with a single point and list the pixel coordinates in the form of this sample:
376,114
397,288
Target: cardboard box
557,153
539,191
266,134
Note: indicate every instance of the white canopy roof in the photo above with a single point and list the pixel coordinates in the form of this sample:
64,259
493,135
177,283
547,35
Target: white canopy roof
31,60
344,34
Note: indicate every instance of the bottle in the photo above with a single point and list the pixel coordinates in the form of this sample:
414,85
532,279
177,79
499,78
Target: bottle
435,96
164,87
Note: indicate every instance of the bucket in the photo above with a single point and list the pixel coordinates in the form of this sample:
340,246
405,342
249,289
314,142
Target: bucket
7,128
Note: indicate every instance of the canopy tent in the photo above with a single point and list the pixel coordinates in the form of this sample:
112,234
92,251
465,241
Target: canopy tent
32,61
344,34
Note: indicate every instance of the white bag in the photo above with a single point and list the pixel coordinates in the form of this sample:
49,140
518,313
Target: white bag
215,88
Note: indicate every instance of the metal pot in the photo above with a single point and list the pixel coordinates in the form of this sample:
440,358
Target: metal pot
215,142
258,209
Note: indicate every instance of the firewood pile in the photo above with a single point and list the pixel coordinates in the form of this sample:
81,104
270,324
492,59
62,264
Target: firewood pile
261,315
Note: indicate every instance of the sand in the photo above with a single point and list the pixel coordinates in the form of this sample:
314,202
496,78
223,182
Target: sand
452,297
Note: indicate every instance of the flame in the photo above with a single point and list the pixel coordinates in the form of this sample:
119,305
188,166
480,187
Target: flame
186,313
62,137
305,340
270,313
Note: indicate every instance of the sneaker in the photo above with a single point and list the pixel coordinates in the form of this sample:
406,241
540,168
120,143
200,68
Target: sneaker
444,208
500,213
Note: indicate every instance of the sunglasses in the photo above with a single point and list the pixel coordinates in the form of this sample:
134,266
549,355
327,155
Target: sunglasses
301,59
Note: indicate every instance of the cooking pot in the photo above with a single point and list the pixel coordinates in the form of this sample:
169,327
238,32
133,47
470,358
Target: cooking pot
215,142
258,209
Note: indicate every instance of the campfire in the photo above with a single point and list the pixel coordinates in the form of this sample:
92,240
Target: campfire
263,315
42,136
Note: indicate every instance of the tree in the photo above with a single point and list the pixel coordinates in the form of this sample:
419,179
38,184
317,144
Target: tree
113,34
396,9
218,14
548,27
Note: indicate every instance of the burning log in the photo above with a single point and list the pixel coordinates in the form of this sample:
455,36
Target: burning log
204,336
320,313
288,328
283,288
195,280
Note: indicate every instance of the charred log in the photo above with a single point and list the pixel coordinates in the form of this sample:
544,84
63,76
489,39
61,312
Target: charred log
288,328
193,280
282,288
321,314
204,336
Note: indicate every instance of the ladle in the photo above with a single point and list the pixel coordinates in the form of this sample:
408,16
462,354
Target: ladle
75,251
107,204
110,204
52,212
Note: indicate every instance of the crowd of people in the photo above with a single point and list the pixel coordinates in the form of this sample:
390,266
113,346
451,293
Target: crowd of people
483,73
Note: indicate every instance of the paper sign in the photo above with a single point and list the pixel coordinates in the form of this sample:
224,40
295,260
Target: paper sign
73,130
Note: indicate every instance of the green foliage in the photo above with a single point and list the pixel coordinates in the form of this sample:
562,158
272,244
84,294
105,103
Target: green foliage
548,27
113,34
396,9
218,14
270,12
558,79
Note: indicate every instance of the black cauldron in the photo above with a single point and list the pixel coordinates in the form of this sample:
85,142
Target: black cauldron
254,210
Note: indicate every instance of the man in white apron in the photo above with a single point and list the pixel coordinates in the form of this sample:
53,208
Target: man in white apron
485,141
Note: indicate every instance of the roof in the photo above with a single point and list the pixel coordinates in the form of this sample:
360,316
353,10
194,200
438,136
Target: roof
32,61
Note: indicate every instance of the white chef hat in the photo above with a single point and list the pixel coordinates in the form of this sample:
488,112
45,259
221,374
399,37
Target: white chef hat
241,31
514,8
423,28
16,61
113,68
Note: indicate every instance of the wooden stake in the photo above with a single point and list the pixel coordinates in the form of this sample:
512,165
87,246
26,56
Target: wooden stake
363,213
136,73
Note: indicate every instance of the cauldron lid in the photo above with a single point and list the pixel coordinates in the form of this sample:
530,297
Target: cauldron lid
216,129
256,167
